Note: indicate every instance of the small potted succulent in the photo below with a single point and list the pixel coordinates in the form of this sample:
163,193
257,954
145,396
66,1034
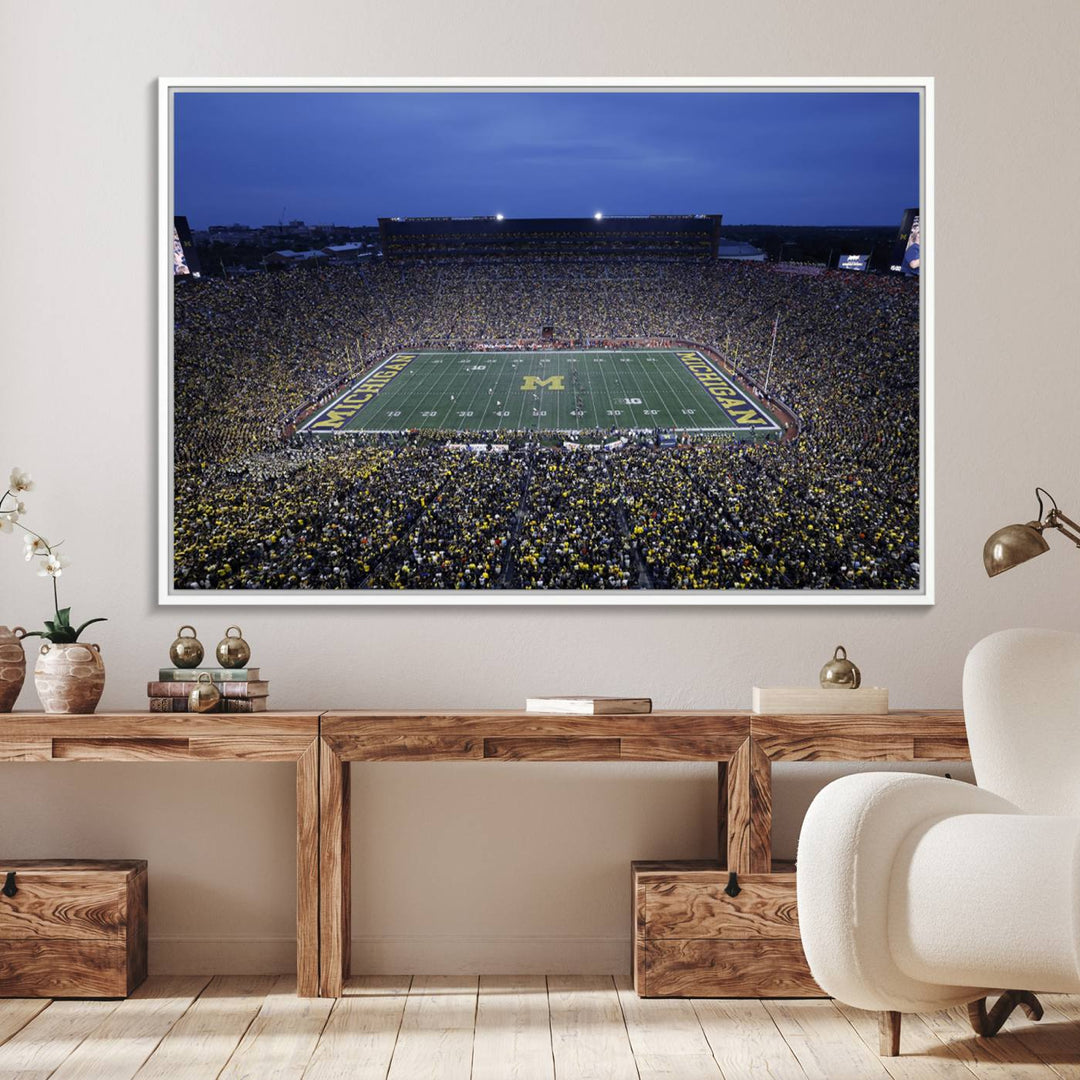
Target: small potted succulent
69,674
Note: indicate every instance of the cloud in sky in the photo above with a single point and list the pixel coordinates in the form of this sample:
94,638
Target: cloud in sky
824,158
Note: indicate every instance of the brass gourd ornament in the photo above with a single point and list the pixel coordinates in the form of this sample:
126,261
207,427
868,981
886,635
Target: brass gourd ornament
233,652
204,696
840,673
186,652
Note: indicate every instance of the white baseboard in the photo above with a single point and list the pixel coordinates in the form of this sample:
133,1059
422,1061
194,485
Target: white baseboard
430,954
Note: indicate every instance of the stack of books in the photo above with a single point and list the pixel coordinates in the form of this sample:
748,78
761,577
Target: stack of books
241,689
584,705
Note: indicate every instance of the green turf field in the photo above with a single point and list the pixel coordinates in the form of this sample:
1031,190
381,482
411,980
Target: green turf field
547,391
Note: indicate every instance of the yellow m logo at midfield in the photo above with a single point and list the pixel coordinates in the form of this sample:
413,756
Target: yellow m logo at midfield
534,382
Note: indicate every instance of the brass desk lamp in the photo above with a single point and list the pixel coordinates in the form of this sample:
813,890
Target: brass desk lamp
1014,544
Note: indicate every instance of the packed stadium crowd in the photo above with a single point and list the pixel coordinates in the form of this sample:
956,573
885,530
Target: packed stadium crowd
258,508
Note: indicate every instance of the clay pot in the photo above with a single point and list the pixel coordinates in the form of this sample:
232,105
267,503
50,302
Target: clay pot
12,666
69,678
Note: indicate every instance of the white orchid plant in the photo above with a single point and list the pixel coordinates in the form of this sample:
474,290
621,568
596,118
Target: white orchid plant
50,562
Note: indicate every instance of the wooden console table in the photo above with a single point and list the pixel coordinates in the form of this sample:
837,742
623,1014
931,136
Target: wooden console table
322,745
902,735
742,744
495,735
269,736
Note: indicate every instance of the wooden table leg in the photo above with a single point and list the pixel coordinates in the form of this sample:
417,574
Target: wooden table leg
749,810
307,872
334,872
722,813
760,810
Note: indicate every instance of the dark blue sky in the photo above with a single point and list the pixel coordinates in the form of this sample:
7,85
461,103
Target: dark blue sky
801,158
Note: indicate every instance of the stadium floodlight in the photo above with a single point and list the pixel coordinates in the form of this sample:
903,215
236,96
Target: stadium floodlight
598,216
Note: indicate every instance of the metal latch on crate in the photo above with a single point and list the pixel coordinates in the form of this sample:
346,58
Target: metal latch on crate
9,884
732,887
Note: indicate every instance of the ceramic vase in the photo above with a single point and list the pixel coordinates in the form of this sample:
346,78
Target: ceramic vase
69,678
12,666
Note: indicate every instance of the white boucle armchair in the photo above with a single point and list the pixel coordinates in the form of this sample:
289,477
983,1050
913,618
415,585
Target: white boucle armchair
918,893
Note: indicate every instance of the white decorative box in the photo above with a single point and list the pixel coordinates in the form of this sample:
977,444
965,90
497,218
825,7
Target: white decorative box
815,700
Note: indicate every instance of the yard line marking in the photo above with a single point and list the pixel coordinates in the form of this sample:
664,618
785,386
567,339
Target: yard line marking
419,400
466,421
662,401
674,396
521,410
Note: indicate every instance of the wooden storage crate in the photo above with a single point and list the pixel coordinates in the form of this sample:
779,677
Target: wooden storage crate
72,928
691,939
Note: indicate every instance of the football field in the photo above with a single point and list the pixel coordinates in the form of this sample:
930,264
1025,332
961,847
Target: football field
556,390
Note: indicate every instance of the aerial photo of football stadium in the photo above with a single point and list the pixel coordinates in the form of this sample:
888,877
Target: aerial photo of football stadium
564,400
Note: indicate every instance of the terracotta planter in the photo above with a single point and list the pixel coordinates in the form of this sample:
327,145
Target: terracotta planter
69,678
12,666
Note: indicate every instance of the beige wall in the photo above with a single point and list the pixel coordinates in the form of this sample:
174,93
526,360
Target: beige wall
494,867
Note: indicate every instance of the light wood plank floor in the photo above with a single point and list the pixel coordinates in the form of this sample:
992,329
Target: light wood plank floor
524,1027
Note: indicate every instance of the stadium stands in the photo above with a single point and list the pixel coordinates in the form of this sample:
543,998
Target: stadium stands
660,236
836,508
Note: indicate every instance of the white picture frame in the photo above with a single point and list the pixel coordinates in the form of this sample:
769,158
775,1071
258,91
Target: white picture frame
170,596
